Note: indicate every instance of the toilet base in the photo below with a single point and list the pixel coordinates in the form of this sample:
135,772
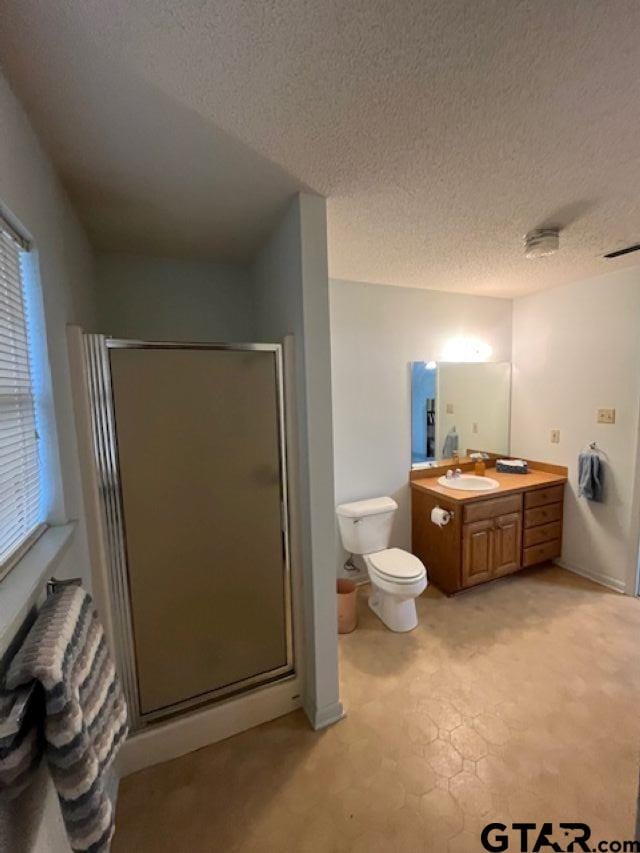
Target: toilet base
398,614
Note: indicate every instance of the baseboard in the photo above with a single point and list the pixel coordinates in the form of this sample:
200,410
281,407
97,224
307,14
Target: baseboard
165,741
320,718
597,577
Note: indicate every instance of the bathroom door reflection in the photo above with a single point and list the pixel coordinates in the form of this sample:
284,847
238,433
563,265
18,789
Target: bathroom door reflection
423,411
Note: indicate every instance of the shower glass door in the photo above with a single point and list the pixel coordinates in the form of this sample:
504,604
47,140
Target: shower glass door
199,476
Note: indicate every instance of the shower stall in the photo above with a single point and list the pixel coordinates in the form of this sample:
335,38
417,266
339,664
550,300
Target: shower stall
189,451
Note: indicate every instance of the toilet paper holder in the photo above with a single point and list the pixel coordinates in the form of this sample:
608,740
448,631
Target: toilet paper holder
448,513
452,513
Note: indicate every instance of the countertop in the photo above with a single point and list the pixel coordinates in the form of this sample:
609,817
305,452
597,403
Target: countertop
509,484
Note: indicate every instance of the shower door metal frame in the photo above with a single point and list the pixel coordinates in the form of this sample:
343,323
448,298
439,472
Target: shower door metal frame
105,447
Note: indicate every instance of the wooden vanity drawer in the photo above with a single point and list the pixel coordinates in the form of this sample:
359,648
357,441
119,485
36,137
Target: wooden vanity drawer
542,533
480,510
541,553
541,497
542,515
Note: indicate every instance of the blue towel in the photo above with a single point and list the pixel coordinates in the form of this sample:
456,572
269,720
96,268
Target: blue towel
590,477
450,444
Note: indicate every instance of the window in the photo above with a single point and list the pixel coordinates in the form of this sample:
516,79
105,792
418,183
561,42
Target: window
21,518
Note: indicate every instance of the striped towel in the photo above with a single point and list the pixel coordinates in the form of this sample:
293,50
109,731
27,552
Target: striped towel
21,741
85,715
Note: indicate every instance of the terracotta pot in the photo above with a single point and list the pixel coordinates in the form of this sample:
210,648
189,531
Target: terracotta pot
347,606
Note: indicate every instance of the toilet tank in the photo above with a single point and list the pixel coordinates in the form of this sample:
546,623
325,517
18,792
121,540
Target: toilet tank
365,526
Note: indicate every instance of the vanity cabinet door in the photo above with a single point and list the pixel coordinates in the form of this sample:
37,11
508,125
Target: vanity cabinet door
507,541
477,552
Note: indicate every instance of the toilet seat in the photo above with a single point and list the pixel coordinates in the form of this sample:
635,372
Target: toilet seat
397,566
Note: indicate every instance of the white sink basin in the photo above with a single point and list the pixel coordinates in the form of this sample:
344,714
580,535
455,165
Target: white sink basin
469,483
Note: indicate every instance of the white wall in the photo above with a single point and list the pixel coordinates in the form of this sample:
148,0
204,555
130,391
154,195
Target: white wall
291,297
30,191
577,348
376,331
480,396
173,299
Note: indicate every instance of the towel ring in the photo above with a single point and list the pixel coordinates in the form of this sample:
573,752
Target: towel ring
595,448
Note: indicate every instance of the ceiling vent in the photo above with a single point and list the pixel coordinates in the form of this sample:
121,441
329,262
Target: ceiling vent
541,242
627,251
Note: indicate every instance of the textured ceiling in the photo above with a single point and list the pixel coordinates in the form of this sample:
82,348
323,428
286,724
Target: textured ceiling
146,173
440,131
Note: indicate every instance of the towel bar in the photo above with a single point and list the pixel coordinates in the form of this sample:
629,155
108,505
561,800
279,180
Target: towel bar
53,585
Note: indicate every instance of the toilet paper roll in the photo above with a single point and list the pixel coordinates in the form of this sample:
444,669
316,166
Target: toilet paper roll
440,516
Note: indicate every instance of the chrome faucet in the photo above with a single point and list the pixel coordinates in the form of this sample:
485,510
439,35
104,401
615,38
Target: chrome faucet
453,475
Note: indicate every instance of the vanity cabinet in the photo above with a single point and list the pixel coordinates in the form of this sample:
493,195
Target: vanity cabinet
477,552
542,525
487,537
507,542
491,547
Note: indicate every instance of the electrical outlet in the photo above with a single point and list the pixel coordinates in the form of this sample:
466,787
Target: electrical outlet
606,416
449,408
474,427
555,436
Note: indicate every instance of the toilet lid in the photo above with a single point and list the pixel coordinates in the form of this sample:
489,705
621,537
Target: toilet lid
396,563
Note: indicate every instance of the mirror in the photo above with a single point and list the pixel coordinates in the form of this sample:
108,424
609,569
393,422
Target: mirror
456,406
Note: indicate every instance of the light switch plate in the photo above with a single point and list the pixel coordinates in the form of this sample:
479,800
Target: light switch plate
449,408
606,416
474,427
554,437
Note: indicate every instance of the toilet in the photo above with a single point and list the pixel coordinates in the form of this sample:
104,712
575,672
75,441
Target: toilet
396,576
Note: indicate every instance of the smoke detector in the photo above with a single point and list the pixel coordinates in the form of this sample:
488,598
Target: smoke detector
541,242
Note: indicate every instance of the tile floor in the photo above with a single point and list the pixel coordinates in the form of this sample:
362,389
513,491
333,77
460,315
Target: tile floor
519,700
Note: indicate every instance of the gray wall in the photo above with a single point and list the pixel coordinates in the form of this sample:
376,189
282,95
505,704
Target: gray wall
291,297
170,299
30,190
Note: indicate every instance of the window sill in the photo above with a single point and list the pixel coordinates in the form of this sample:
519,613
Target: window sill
20,590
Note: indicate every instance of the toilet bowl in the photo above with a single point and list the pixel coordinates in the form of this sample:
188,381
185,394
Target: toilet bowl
397,577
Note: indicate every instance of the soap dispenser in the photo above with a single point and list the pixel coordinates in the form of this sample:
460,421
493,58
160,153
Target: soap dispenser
480,468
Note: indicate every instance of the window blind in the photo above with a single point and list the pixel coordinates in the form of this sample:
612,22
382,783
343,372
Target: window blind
20,475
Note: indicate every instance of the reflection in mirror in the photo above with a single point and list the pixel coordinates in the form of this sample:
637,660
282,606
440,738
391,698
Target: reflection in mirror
456,406
423,411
